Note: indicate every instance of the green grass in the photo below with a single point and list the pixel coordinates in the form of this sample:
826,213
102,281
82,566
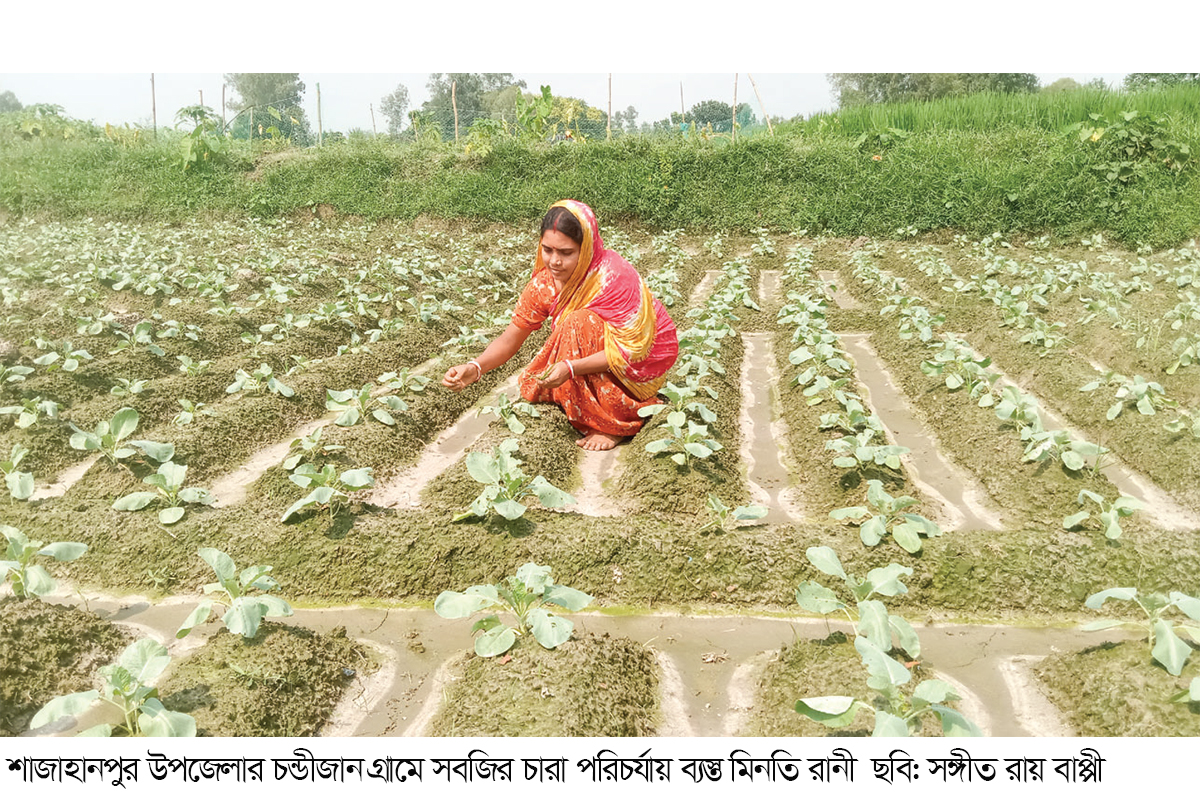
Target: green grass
977,165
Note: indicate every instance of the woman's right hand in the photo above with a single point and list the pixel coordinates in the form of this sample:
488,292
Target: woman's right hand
459,377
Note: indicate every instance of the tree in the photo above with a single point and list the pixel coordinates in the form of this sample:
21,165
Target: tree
9,102
1060,86
394,107
262,91
861,88
1149,80
630,119
470,92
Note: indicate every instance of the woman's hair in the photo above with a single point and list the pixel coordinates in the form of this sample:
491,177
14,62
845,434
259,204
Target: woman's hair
561,219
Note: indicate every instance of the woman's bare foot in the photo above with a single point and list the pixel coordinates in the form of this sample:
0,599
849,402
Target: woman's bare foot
598,441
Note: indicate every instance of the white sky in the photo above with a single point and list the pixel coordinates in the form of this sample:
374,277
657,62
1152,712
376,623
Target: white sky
97,64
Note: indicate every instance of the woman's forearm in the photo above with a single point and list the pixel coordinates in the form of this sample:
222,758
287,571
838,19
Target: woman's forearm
593,363
503,348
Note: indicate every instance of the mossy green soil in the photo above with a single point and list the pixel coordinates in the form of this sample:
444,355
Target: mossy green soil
1116,689
283,682
48,650
593,685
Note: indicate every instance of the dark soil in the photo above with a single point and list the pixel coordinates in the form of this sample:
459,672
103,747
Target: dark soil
47,650
283,682
590,686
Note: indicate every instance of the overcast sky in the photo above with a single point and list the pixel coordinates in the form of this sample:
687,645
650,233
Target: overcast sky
95,59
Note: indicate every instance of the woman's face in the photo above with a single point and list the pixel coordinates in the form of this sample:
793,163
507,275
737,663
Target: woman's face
560,254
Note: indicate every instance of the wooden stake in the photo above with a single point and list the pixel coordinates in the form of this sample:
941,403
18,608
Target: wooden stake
153,107
201,97
373,130
770,130
454,103
320,137
609,131
682,113
222,108
734,129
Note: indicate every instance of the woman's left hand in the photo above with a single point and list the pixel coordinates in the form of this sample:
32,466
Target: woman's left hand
555,377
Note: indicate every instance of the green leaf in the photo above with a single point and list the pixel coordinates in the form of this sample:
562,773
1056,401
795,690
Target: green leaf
565,597
512,510
452,604
274,606
817,598
66,550
907,535
20,484
144,660
38,582
1188,605
1123,594
1071,521
70,705
873,624
907,636
221,563
825,559
873,530
483,467
244,616
832,711
356,479
155,721
159,452
935,691
124,422
1169,649
495,642
1072,460
955,724
886,581
885,672
549,495
134,501
170,515
548,629
197,617
383,417
889,726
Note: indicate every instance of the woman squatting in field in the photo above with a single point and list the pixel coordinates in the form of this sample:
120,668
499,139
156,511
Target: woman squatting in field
611,342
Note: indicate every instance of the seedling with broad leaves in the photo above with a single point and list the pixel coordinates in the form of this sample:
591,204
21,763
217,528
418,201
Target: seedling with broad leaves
1109,516
125,687
31,410
720,513
170,492
261,380
244,610
897,712
859,450
1147,396
681,400
109,438
329,488
1170,650
509,412
1041,445
353,406
688,439
872,621
29,580
887,516
524,596
191,410
20,483
506,485
307,448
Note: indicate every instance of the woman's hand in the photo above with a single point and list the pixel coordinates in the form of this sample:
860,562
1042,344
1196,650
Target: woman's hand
556,375
459,377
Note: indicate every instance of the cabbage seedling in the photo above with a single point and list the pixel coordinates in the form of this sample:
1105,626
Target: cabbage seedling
508,411
524,596
721,513
1165,646
31,410
20,484
887,516
873,621
168,480
243,613
258,381
1110,512
353,406
124,687
329,488
307,447
33,580
899,712
507,485
109,438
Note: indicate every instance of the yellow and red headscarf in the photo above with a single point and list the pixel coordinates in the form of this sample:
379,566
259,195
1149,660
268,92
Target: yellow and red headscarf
608,285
